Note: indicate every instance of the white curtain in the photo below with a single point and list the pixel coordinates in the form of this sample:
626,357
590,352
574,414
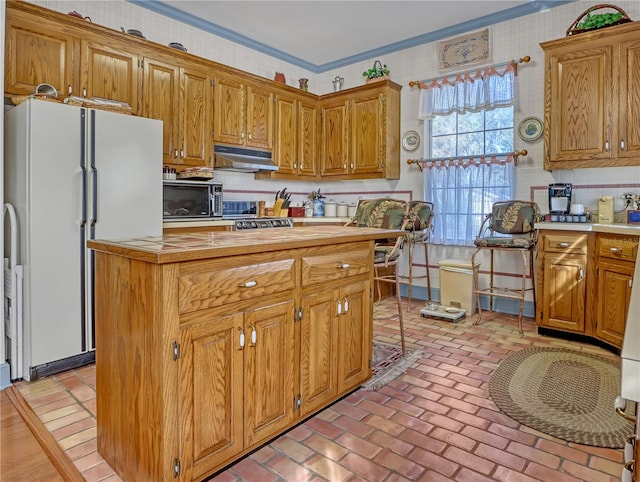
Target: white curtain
483,89
463,193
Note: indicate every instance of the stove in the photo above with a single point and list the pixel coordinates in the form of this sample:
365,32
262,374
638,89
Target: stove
263,223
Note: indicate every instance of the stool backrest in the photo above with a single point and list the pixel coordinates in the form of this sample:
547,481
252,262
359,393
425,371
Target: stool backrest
513,217
420,215
384,213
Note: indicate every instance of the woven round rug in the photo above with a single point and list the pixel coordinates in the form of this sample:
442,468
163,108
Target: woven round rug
564,393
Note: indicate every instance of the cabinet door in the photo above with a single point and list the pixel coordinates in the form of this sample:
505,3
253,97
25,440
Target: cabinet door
161,92
318,345
36,52
629,110
308,138
260,107
563,295
355,344
196,118
367,135
211,381
578,96
335,139
109,73
285,148
269,360
614,291
229,112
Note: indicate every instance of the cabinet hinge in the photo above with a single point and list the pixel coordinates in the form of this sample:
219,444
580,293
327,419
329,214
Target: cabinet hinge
176,350
297,316
297,402
213,82
176,467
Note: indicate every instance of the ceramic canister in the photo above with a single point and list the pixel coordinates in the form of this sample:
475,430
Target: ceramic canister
352,210
330,209
343,210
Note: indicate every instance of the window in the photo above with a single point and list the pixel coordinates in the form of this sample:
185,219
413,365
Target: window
469,125
467,180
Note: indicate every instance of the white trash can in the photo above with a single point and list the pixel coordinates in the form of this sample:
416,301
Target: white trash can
456,284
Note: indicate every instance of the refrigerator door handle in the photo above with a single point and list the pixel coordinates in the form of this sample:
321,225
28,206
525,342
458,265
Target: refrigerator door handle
83,230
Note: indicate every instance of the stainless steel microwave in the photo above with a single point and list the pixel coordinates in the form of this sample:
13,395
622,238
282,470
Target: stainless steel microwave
185,200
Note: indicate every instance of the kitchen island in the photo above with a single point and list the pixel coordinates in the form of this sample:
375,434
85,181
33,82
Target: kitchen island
210,344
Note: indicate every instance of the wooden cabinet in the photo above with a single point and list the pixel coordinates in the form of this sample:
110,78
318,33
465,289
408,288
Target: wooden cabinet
40,50
584,282
110,72
562,264
181,96
361,133
217,353
296,138
592,95
616,257
243,113
37,50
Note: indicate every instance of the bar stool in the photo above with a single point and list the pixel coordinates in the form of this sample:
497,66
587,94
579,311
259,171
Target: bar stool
387,214
418,232
510,229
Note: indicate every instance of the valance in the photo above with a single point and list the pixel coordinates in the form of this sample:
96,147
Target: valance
473,90
467,161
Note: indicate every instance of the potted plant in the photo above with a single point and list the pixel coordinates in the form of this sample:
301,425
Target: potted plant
377,72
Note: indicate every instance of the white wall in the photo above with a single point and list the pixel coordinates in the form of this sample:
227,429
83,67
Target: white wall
512,39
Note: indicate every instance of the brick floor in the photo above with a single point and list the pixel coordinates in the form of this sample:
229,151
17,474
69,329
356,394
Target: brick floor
436,422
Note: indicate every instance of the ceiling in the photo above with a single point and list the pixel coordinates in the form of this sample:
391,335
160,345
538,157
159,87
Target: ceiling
324,35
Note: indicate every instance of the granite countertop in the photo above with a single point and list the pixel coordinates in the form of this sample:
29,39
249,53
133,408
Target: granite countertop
616,228
170,248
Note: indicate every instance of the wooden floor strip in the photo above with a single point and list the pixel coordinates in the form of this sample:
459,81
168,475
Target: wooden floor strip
68,471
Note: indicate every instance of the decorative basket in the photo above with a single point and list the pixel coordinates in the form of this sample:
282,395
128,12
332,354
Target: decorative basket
378,67
197,173
573,29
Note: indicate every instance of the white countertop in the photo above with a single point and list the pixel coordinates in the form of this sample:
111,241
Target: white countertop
229,222
616,228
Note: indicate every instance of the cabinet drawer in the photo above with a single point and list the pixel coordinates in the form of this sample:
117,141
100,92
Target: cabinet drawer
622,247
202,286
565,243
324,266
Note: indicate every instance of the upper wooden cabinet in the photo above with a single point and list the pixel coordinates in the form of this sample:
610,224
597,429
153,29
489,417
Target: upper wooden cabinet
243,114
78,63
36,51
297,128
361,132
351,134
181,96
592,96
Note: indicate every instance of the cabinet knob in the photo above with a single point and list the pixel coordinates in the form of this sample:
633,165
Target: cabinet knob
622,145
70,89
344,265
606,146
346,304
580,274
563,245
616,250
249,136
339,307
242,135
84,92
241,340
175,153
254,335
181,154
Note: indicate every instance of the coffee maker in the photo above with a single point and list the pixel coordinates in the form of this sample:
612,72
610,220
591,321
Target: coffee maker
560,198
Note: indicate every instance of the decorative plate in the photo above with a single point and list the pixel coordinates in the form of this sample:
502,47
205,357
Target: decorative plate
410,141
530,128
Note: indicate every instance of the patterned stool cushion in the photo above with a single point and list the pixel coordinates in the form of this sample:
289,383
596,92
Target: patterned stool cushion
505,242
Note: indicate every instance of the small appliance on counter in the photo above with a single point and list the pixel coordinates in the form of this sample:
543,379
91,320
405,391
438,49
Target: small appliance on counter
559,198
605,210
184,200
239,209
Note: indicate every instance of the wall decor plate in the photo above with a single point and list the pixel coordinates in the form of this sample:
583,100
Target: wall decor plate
530,128
410,141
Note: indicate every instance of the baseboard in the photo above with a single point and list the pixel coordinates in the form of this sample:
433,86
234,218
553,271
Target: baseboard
501,305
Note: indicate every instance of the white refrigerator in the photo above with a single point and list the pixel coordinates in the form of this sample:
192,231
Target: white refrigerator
74,174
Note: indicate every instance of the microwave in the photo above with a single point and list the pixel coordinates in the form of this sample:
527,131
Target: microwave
185,200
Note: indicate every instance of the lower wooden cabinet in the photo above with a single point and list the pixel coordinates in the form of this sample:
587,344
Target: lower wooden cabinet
217,356
584,283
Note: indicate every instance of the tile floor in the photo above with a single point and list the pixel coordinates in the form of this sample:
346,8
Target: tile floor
434,423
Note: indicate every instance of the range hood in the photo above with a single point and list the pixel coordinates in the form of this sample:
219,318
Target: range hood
242,160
